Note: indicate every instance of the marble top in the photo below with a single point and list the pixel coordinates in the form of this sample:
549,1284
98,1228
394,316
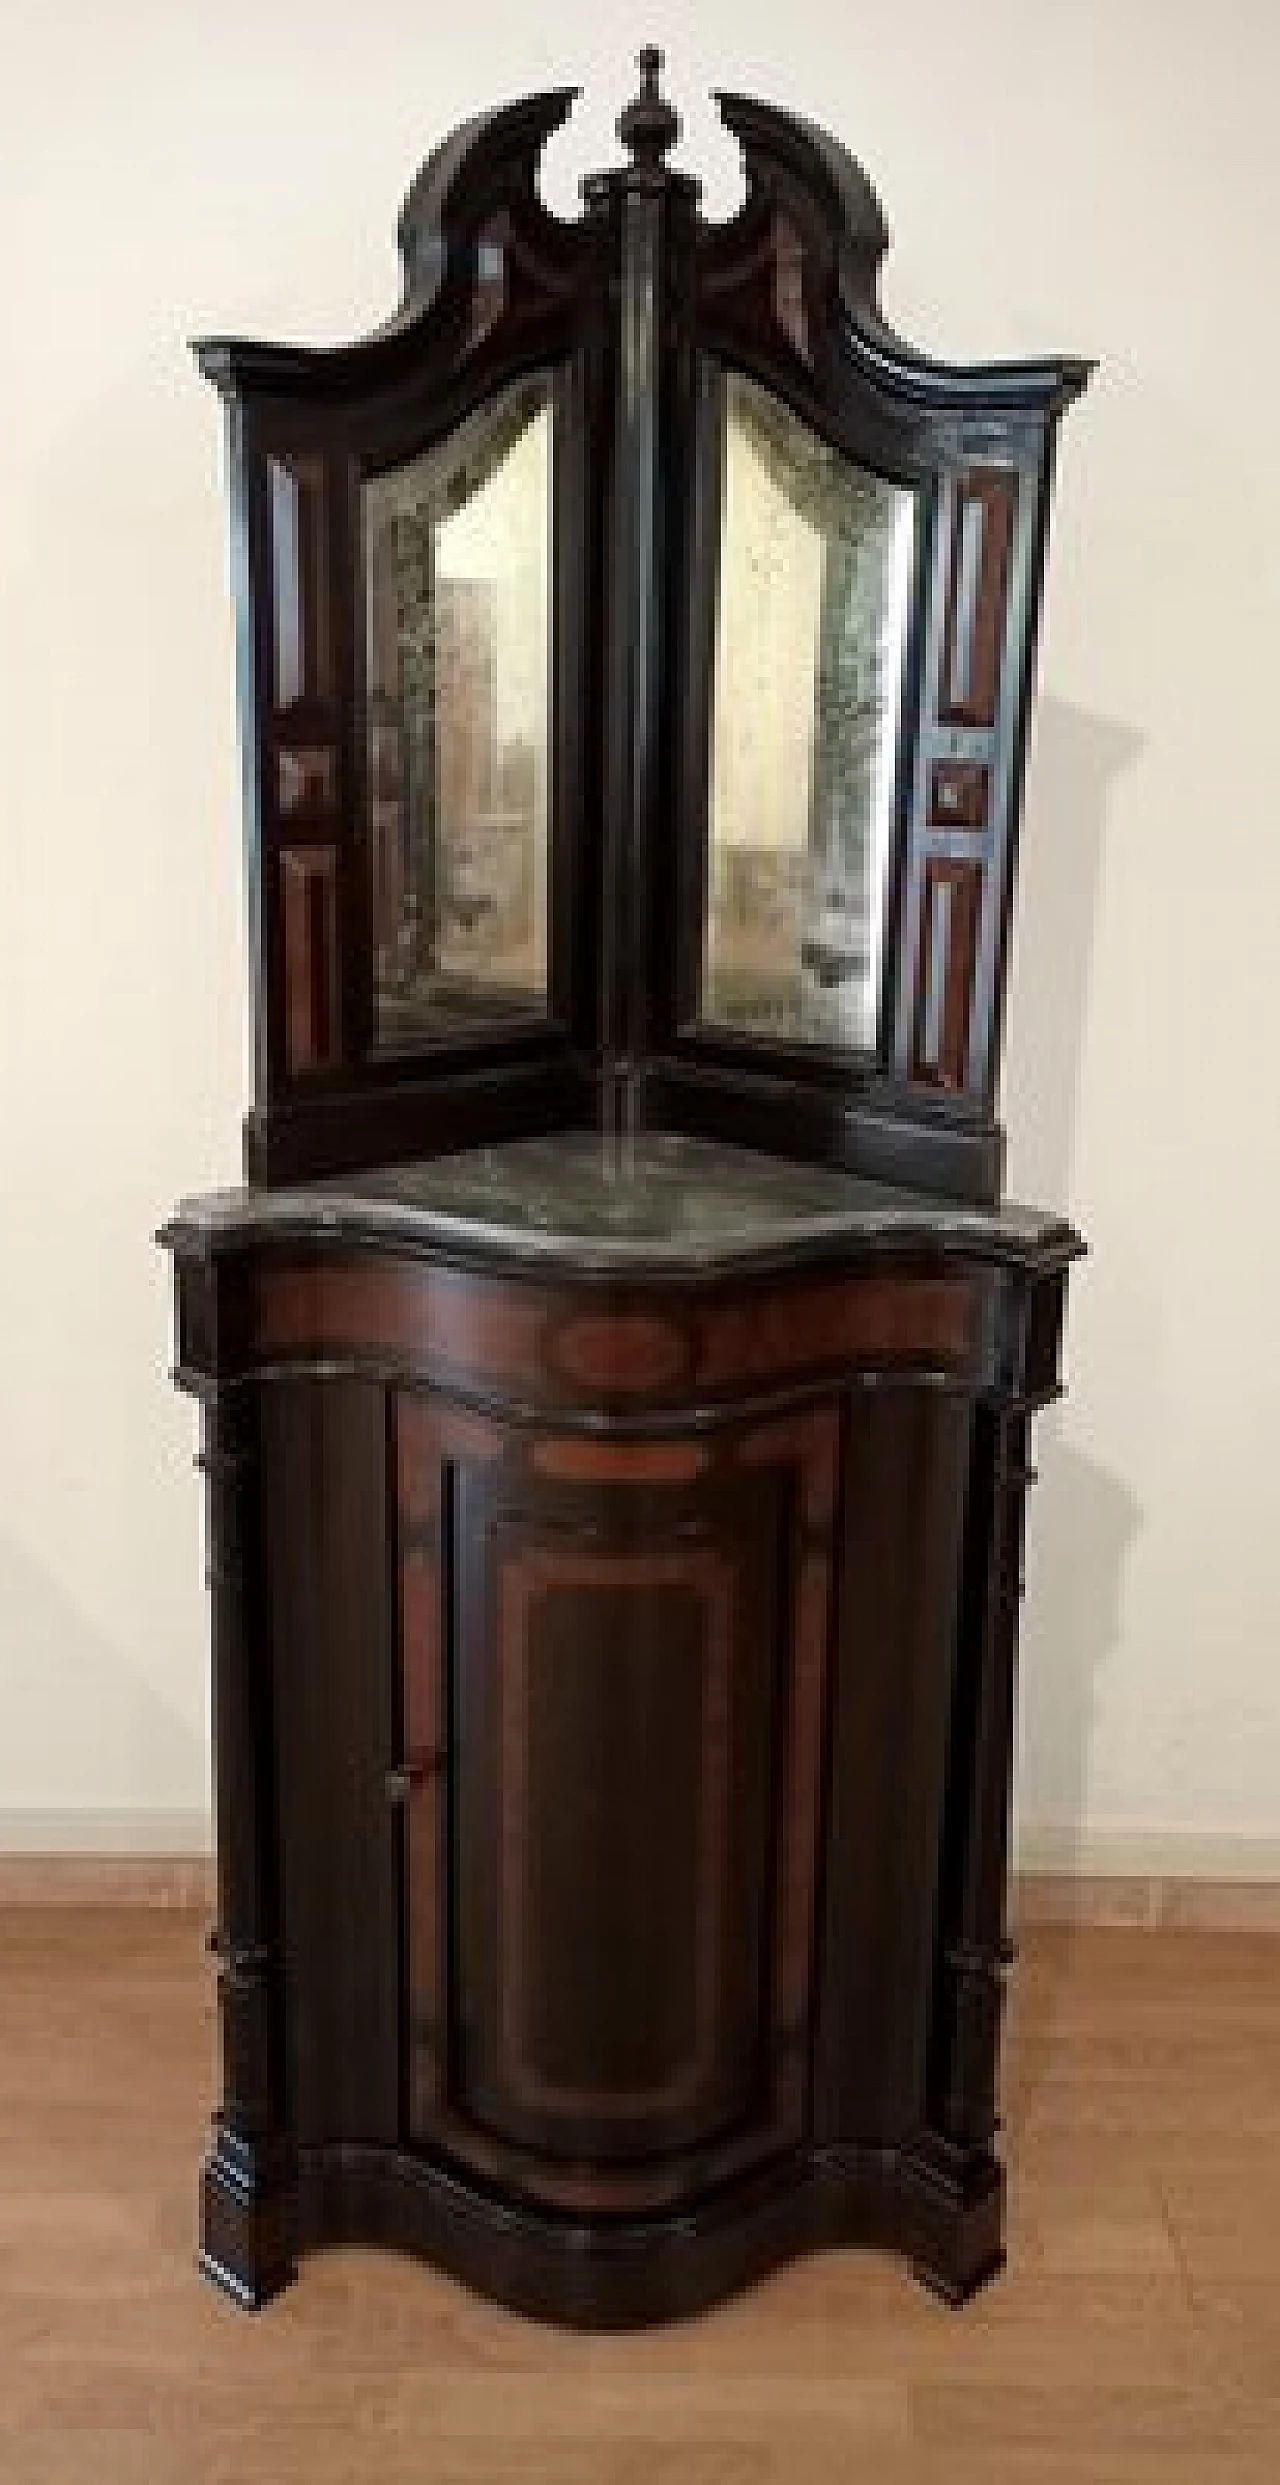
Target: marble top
662,1201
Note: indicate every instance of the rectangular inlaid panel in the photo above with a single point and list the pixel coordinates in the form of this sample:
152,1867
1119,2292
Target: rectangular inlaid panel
619,1652
983,504
770,1335
309,924
474,1328
627,1657
951,904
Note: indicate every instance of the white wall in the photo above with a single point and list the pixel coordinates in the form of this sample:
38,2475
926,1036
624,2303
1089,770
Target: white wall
1100,178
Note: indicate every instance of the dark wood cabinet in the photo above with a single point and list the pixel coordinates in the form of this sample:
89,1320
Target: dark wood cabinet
617,1374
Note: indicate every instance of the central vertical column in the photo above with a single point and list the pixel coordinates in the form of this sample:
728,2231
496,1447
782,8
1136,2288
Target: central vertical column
642,201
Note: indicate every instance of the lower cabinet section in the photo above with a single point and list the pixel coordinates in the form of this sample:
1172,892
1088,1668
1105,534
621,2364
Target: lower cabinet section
611,1809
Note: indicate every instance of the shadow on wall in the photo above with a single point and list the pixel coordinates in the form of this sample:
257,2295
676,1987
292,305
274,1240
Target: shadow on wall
1076,759
115,1726
1083,1517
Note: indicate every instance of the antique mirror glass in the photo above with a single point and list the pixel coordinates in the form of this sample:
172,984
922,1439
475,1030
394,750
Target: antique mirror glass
813,595
457,569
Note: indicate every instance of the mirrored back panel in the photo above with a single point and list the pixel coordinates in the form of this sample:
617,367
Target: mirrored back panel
457,550
813,601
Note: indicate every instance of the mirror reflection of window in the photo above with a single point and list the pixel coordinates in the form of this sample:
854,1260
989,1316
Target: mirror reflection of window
812,606
457,548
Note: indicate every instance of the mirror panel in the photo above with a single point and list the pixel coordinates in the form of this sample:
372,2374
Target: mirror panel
457,583
815,573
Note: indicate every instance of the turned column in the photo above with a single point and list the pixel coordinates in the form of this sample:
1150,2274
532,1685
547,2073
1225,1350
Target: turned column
954,2159
246,2192
977,1954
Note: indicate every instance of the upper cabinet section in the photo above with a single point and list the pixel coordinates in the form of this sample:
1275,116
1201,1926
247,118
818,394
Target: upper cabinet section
634,645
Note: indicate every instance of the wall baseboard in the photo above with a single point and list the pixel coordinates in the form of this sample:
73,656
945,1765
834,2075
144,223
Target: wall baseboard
1151,1902
116,1833
30,1879
106,1859
1163,1881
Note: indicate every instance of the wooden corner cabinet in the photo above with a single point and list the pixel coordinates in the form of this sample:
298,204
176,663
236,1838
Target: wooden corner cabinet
617,1371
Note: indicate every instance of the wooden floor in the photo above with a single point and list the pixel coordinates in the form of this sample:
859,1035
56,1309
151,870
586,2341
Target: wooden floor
1135,2336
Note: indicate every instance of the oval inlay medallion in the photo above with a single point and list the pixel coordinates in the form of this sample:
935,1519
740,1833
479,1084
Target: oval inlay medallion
619,1354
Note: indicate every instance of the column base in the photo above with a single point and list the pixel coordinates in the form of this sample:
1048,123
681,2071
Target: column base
955,2197
247,2217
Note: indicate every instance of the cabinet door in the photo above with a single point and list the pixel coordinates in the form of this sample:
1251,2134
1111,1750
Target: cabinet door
623,1828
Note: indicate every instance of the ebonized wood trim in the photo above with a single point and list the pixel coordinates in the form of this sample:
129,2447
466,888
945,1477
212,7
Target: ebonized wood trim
627,2270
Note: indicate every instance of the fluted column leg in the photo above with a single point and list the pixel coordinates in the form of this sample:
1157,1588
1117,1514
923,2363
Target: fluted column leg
246,2194
956,2172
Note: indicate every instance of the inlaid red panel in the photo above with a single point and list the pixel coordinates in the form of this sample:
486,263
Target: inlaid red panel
471,1331
575,1461
983,504
474,1327
309,929
951,907
764,1335
420,1650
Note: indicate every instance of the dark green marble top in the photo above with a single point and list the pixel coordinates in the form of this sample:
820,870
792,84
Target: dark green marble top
663,1202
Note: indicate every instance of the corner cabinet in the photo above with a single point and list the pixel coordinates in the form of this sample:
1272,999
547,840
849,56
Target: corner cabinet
616,1670
618,1369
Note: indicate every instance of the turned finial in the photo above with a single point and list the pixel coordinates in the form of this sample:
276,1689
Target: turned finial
648,127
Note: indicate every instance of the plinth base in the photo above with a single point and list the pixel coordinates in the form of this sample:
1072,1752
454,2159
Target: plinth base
247,2218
